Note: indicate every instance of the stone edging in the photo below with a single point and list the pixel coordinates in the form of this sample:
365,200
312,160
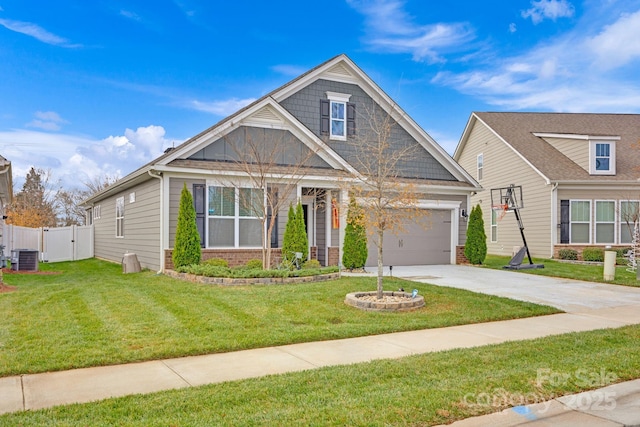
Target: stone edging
228,281
353,299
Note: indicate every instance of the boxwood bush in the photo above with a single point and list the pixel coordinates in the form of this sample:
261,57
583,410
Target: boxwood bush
216,262
570,254
593,254
246,273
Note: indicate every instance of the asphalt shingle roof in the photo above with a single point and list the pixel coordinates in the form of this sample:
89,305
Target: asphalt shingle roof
518,130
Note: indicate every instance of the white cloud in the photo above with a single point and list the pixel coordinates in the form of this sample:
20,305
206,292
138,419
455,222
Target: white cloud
36,32
131,15
47,120
513,28
390,29
221,108
617,44
580,71
74,159
548,9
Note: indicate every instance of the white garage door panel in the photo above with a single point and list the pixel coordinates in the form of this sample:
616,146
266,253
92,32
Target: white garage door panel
418,245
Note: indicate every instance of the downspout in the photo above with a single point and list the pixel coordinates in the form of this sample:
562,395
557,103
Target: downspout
554,217
156,174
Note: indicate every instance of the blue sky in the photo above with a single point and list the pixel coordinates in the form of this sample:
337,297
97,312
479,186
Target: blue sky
89,88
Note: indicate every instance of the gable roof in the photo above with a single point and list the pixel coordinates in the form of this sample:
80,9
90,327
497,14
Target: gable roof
267,111
518,131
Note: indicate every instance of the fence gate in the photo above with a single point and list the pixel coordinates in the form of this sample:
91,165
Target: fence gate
67,243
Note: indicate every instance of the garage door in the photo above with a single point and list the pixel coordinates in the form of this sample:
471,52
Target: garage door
428,242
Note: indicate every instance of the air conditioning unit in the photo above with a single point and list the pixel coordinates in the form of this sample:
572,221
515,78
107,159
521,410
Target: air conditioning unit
24,259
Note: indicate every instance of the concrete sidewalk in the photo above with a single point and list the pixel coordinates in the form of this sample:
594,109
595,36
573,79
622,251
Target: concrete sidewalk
38,391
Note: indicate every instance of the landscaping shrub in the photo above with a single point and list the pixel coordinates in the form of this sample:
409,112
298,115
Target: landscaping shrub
295,236
354,249
186,249
622,252
475,248
593,254
311,264
216,262
254,264
570,254
245,273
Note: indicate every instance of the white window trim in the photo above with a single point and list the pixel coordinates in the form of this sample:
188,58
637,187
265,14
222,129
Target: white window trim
596,222
341,98
591,205
592,157
120,200
96,212
494,226
480,166
236,218
622,222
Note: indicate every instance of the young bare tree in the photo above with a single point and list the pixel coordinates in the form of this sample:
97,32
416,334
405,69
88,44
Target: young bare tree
388,199
271,164
68,202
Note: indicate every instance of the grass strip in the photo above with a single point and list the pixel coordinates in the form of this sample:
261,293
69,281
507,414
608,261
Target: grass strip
421,390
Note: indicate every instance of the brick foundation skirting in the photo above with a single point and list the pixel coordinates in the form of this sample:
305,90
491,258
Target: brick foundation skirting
460,257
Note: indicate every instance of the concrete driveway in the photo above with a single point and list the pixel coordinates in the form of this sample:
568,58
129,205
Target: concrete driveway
565,294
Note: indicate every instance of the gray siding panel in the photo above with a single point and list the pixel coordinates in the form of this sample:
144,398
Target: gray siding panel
305,106
141,226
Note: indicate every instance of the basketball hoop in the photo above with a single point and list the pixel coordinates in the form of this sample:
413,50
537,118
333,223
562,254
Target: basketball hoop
503,208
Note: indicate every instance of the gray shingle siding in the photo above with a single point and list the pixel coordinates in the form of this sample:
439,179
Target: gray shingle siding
305,106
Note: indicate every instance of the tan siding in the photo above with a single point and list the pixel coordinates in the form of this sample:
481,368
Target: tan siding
141,226
575,149
503,167
175,190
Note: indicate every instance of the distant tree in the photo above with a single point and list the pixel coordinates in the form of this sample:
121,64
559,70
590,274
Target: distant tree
186,249
354,250
69,207
475,248
34,206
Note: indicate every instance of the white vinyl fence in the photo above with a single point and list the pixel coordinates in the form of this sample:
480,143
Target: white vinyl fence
54,244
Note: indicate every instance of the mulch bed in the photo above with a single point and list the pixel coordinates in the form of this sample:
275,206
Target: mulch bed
4,288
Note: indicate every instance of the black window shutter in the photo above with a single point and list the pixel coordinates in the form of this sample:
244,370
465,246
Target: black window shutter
564,221
199,206
351,119
324,117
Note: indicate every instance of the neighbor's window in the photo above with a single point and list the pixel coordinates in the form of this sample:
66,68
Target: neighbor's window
96,212
605,221
234,217
480,165
629,211
120,217
603,159
580,214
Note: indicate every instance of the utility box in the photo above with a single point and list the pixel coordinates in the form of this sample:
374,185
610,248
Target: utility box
130,263
24,259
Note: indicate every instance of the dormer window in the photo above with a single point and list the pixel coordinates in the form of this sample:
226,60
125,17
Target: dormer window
602,158
337,116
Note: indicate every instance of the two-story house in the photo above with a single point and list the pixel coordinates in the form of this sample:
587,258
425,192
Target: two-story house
579,175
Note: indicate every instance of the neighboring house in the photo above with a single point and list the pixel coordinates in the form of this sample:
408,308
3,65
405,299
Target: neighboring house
6,193
579,174
320,112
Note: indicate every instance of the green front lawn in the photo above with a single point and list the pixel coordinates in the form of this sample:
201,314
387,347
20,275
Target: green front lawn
420,390
577,271
91,314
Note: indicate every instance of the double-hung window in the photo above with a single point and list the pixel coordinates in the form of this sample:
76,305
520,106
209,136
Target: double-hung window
337,116
580,226
235,217
120,217
605,221
602,158
629,211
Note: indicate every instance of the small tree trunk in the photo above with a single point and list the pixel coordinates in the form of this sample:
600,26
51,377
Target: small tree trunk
380,267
